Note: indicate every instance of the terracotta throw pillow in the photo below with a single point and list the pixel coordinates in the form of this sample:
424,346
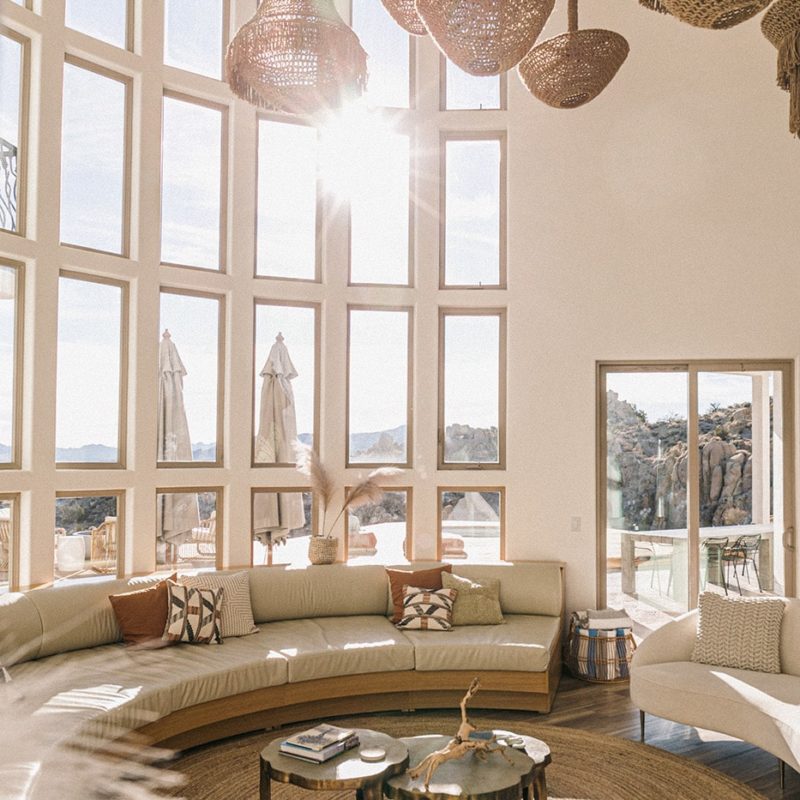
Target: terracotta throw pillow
421,578
742,633
142,615
476,603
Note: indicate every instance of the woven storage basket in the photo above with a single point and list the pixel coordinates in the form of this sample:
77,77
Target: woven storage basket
573,68
322,549
296,56
404,13
781,25
599,658
717,14
485,37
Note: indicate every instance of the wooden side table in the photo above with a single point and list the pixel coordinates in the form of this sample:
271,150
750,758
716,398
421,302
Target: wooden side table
469,778
345,771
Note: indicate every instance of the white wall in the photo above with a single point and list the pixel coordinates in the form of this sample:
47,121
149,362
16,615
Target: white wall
659,221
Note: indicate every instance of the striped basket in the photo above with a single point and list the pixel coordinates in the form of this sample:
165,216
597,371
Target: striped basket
599,656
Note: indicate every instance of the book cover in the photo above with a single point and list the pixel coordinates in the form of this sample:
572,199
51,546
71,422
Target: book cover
320,737
319,756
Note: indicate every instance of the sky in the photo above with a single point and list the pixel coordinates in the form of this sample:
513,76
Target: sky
110,26
664,394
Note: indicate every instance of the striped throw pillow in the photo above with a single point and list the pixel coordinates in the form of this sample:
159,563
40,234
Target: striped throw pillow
194,615
237,610
427,609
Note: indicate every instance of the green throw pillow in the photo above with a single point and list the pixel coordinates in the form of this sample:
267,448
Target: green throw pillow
476,603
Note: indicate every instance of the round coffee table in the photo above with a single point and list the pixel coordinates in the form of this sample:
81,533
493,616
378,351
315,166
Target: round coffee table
469,778
345,771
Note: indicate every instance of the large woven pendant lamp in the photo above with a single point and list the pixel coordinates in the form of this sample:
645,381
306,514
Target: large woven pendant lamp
296,56
404,13
781,25
569,70
654,5
484,37
717,14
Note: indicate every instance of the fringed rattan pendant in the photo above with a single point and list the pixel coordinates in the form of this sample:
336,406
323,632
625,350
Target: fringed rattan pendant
717,14
654,5
573,68
404,13
484,37
781,25
296,56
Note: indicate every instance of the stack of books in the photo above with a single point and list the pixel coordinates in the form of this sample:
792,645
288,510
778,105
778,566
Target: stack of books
320,743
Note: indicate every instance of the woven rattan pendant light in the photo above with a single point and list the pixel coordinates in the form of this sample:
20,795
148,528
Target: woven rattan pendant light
781,25
404,13
484,37
296,56
714,13
573,68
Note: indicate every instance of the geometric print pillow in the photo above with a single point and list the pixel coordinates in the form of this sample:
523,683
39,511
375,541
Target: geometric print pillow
237,611
427,609
194,614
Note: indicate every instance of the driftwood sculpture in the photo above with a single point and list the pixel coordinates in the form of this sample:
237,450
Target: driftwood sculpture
460,745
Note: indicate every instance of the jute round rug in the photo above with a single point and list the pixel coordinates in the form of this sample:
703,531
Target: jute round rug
586,766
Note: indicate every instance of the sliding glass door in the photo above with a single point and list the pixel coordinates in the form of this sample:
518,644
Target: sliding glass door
675,520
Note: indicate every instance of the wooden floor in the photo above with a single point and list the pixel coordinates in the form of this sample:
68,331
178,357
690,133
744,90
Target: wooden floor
608,709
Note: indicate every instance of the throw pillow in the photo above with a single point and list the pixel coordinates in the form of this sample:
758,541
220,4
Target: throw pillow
427,610
193,614
476,603
742,633
424,578
237,610
142,615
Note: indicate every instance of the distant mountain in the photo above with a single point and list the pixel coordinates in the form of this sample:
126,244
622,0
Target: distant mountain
363,442
101,453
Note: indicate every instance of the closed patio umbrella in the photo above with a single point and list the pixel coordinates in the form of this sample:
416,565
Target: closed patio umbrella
178,513
277,513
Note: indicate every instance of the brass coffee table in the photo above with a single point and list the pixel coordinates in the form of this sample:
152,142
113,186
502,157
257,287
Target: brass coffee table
469,778
345,771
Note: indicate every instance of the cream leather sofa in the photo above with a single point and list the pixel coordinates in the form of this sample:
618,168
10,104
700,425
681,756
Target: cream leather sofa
324,647
758,707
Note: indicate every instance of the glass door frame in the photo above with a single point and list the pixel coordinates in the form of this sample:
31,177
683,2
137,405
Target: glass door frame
692,368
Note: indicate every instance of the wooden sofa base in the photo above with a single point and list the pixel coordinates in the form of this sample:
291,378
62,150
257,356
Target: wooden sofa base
274,706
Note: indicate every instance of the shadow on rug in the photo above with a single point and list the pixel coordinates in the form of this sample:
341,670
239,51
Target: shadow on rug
586,766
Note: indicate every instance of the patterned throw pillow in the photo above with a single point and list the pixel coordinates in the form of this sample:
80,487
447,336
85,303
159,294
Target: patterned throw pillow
427,609
237,610
477,603
194,615
741,633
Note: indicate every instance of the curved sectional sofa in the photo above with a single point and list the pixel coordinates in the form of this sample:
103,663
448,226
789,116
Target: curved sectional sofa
325,646
758,707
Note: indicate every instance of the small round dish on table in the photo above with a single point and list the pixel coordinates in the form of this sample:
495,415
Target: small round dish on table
470,778
345,771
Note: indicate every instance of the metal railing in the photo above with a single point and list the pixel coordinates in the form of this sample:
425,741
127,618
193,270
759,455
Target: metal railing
8,185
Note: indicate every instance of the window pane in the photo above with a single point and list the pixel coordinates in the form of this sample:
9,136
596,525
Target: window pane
471,526
93,160
86,536
193,36
191,180
7,525
379,213
11,55
89,358
471,388
469,91
189,378
287,200
377,532
378,387
281,527
186,530
103,19
8,360
285,381
387,46
472,223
